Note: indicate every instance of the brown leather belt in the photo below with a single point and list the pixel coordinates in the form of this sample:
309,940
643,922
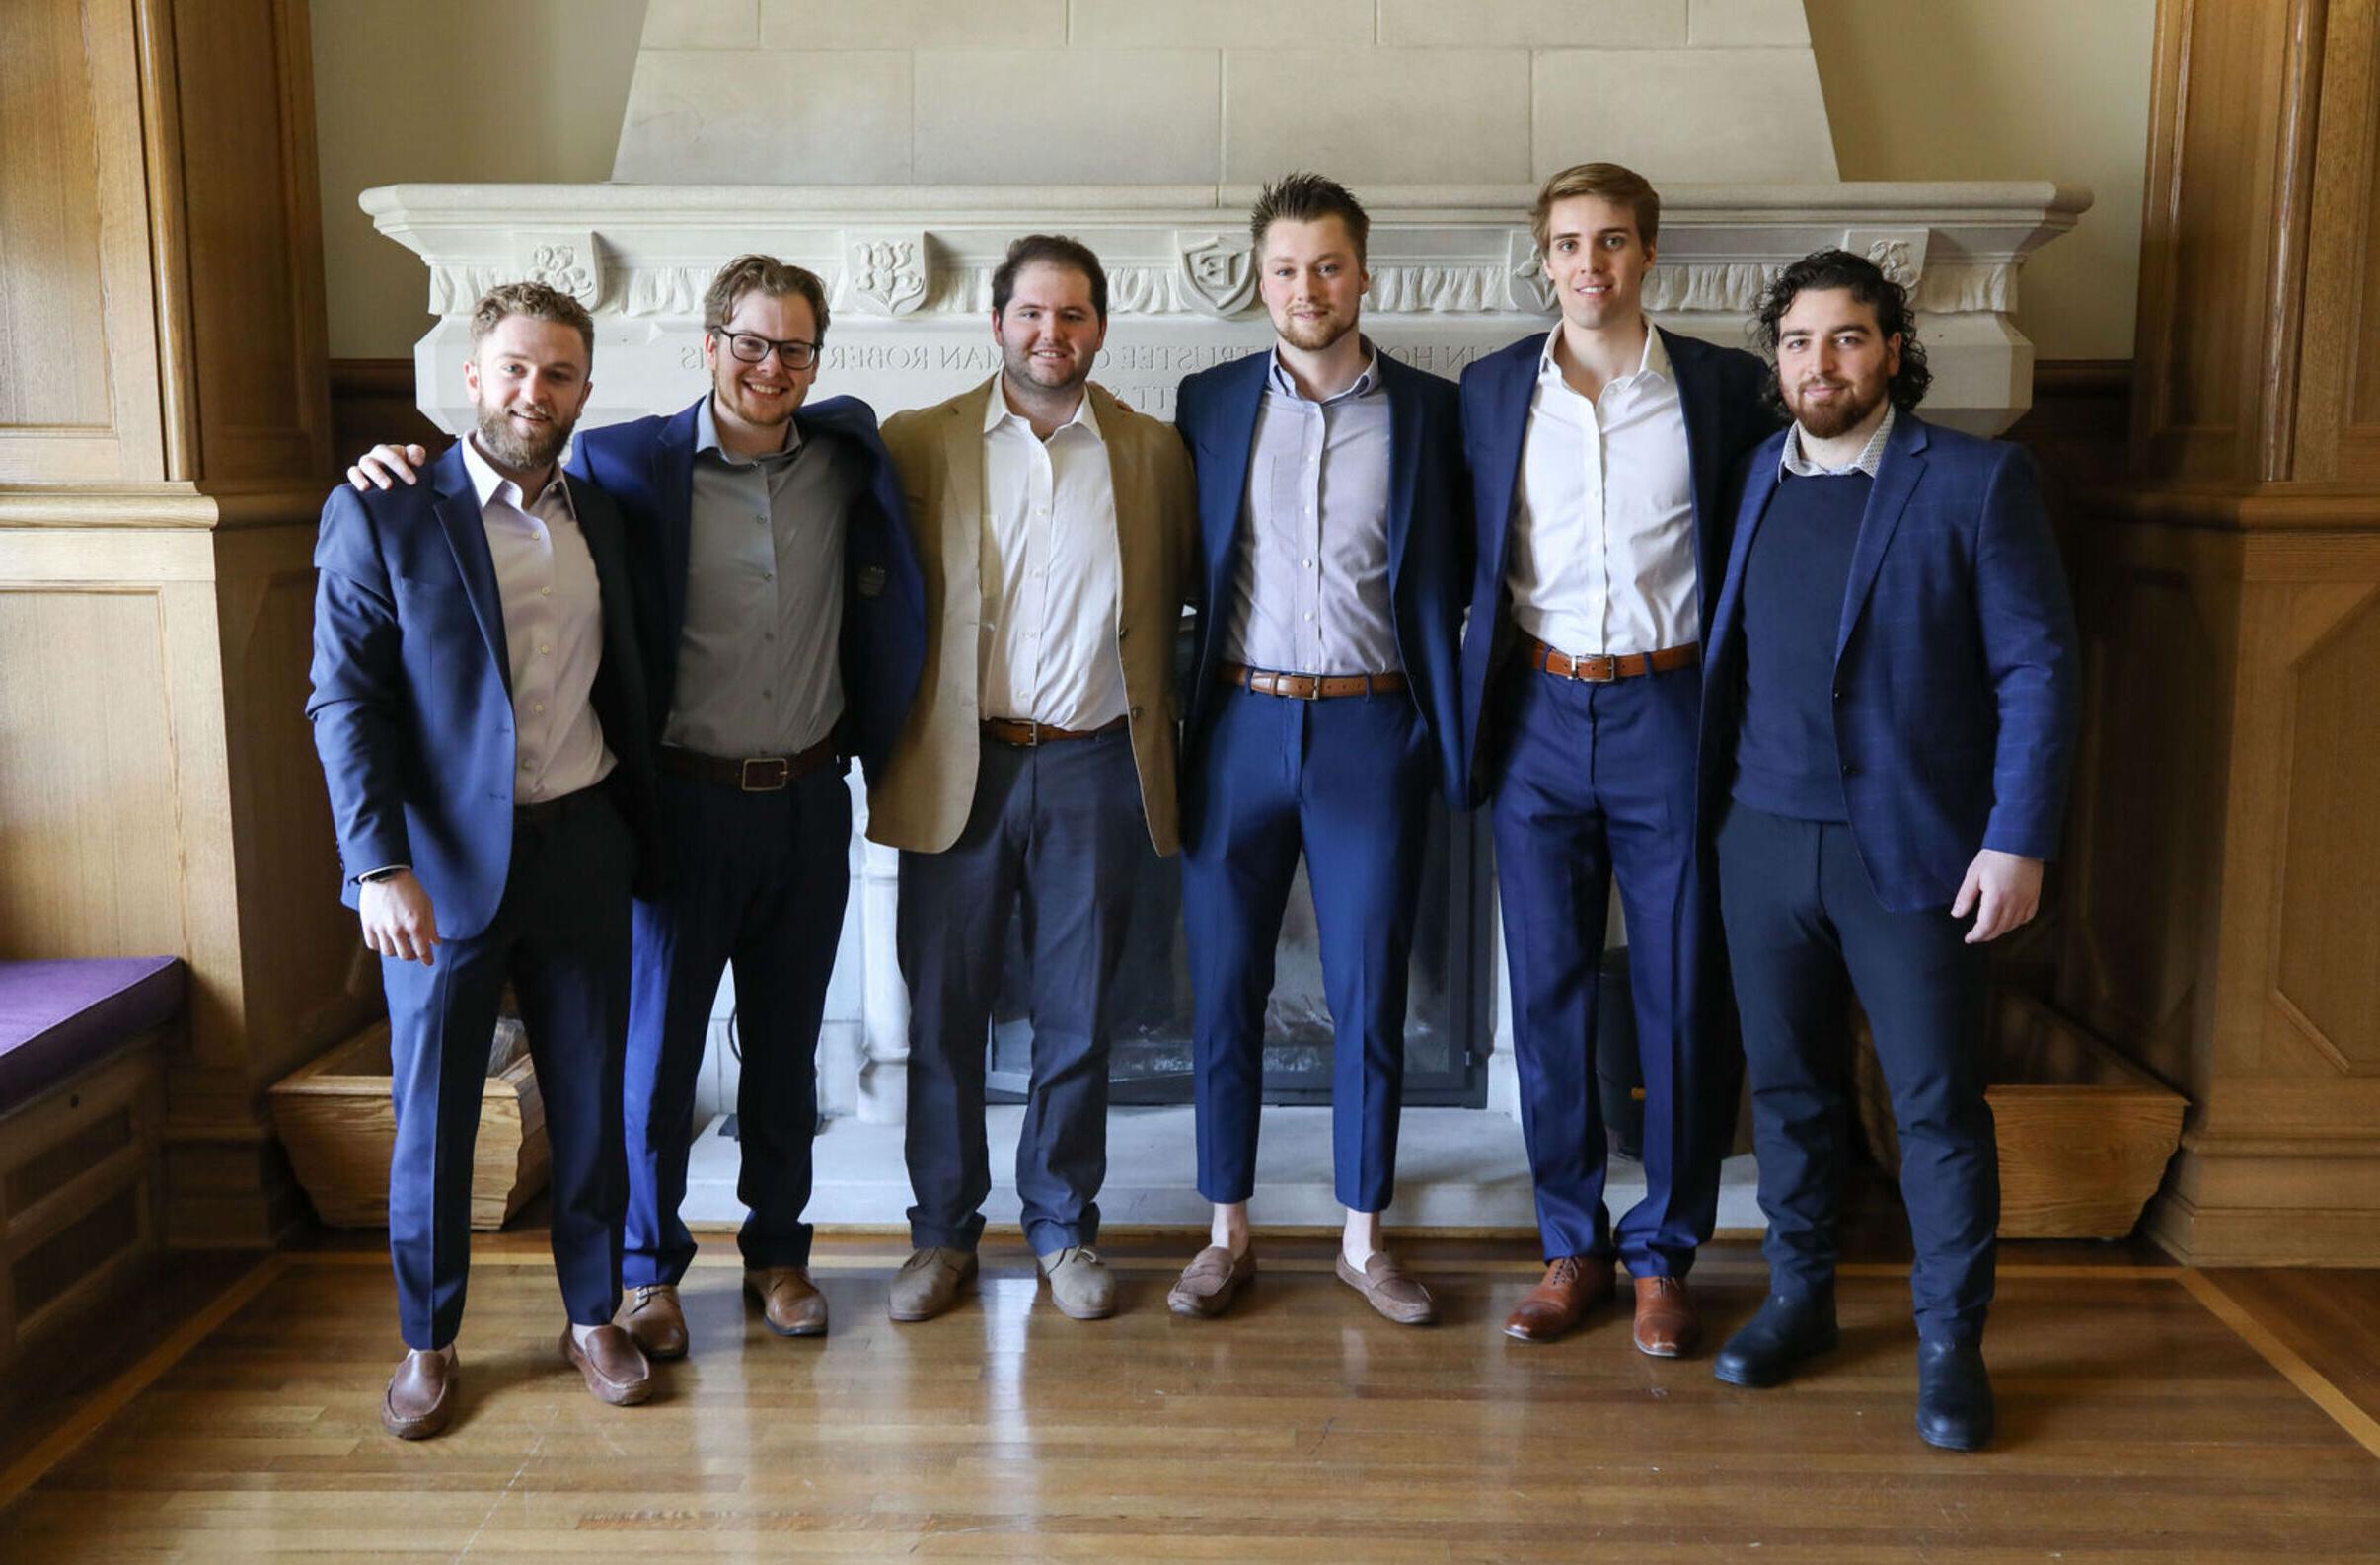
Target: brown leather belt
1026,733
754,774
1309,686
1598,668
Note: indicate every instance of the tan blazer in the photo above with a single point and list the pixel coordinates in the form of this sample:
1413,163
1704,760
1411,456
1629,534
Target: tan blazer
928,784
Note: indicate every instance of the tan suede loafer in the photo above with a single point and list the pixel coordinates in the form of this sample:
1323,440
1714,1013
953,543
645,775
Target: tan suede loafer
930,1282
421,1394
1386,1288
1212,1279
789,1306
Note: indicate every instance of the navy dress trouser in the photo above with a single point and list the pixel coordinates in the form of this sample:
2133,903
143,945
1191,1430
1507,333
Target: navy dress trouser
560,937
1346,781
1597,783
1805,932
757,881
1055,834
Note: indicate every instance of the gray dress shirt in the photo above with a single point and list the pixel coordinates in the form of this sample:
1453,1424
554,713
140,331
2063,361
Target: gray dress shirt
1311,596
759,664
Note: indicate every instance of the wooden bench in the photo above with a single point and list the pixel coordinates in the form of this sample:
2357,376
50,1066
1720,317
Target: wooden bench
81,1101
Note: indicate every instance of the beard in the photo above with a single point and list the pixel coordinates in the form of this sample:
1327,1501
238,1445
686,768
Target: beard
1315,335
521,452
1841,415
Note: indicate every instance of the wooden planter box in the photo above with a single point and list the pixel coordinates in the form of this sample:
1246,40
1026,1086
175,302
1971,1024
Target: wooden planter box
2084,1135
336,1119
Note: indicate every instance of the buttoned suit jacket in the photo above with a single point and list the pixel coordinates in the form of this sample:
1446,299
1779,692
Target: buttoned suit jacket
929,788
1955,694
647,465
1429,538
411,704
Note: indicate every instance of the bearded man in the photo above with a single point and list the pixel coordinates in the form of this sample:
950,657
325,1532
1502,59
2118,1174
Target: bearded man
480,709
1888,734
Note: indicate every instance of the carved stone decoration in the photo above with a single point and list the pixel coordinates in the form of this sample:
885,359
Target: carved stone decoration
1216,272
1898,251
884,273
1526,288
566,262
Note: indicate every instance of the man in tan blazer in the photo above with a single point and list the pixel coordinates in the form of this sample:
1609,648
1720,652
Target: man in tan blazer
1054,533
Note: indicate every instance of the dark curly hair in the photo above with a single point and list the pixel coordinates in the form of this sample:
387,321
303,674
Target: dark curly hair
1840,268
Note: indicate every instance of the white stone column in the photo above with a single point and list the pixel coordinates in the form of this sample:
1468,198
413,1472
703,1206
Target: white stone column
883,1096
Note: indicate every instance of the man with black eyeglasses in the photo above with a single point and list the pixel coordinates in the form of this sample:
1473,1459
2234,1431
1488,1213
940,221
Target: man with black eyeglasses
783,629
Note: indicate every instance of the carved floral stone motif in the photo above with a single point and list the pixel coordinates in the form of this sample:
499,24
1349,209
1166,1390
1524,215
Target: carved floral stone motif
884,273
565,262
1527,287
1899,252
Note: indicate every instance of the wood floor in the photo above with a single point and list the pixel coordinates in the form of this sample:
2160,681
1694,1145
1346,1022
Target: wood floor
2138,1424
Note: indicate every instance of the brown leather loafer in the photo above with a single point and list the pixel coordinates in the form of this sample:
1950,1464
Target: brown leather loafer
1386,1288
789,1306
611,1364
1666,1323
421,1394
1212,1279
1572,1286
653,1318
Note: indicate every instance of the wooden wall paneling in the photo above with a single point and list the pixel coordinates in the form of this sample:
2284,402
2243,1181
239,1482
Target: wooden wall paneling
78,355
2338,433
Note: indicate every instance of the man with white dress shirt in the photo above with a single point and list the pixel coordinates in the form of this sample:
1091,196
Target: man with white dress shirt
1036,769
1599,452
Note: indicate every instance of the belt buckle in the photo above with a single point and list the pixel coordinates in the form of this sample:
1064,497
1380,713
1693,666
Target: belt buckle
1610,667
1032,733
1313,686
768,782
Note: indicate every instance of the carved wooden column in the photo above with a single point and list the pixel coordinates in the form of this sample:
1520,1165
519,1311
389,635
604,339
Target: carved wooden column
163,417
2223,923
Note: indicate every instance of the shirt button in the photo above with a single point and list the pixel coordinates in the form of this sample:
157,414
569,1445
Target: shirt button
544,592
524,765
1309,618
1136,713
1838,693
1307,563
545,649
538,707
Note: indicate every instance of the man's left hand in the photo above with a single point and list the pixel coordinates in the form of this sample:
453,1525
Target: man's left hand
2002,890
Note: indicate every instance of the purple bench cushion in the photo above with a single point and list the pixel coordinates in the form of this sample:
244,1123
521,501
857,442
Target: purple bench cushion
55,1018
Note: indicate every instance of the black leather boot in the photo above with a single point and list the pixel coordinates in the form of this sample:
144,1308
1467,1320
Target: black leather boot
1953,1394
1788,1329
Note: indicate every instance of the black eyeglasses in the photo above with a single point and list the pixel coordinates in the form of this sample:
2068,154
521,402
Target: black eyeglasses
750,349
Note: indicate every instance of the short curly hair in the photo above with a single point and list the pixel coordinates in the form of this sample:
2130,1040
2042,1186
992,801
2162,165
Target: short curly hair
1824,270
763,274
535,300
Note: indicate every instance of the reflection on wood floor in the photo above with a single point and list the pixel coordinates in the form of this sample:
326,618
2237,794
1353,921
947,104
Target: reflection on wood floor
2137,1424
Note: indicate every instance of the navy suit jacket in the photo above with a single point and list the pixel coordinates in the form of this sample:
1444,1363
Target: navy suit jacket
1720,390
1956,696
1428,537
412,689
647,465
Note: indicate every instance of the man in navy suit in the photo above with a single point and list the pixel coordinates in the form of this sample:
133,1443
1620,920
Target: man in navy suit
784,623
1599,453
480,710
1886,741
1321,714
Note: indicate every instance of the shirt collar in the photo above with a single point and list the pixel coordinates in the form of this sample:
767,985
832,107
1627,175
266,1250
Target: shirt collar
487,483
997,411
707,438
1654,361
1278,378
1869,461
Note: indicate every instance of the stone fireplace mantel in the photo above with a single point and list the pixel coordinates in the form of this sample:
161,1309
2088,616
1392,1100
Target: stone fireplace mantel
1455,276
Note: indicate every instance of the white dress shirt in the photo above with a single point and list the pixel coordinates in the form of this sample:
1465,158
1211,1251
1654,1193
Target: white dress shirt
552,631
1602,544
1051,581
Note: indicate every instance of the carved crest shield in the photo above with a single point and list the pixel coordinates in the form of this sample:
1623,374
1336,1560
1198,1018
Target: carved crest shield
1216,272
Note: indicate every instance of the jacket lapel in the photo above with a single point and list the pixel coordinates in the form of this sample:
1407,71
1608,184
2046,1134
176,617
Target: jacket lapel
1126,477
962,505
673,504
1404,461
458,512
1697,400
1896,480
1235,441
1500,448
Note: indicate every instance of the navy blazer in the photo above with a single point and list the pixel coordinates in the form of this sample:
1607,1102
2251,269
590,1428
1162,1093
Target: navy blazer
1428,536
1721,392
647,465
1956,698
412,689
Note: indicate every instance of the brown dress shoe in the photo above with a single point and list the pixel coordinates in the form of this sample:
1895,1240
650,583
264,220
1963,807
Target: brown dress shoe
789,1306
1666,1323
421,1394
653,1318
1386,1288
1212,1279
611,1364
1572,1286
